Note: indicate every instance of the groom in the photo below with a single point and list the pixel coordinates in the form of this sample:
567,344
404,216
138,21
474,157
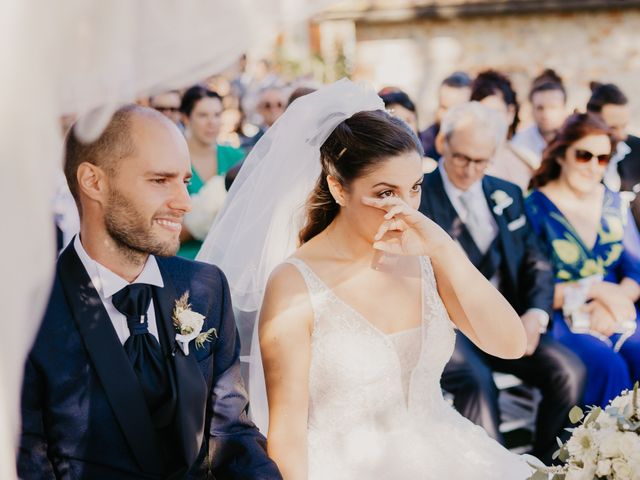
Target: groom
109,392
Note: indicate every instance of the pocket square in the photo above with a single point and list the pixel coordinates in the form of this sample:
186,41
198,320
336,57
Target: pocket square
517,223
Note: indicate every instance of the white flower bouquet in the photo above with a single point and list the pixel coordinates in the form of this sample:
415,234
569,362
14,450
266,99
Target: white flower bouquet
604,446
205,205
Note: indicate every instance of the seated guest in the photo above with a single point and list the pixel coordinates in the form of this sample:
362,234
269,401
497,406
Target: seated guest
168,104
454,90
400,105
623,173
486,216
271,104
511,163
581,224
201,110
548,100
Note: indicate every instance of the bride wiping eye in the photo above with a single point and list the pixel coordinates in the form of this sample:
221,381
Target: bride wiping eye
385,194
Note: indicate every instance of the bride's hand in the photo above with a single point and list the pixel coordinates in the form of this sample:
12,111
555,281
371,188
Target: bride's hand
405,231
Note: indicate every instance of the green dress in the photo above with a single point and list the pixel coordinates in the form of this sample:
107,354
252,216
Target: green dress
228,157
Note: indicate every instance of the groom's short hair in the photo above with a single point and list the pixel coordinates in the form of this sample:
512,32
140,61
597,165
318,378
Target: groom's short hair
114,143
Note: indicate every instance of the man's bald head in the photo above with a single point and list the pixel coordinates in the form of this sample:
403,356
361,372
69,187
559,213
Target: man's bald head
115,143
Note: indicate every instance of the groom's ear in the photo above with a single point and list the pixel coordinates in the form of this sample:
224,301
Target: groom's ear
337,192
92,181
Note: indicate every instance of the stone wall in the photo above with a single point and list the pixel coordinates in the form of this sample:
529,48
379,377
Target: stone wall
416,54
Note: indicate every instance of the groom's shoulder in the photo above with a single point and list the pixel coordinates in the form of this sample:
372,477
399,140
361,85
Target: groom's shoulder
183,270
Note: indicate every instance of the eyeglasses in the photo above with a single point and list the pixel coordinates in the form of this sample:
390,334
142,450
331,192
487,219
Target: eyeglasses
463,161
269,105
167,109
584,156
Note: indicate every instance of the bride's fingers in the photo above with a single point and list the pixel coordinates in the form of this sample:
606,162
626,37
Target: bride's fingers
393,224
382,203
398,209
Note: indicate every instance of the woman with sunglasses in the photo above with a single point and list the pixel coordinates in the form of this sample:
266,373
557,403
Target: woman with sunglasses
581,222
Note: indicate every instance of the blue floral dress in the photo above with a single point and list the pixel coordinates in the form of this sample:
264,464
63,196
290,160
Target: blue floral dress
608,372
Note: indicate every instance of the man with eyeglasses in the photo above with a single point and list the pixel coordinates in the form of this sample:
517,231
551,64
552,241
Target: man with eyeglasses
168,104
486,216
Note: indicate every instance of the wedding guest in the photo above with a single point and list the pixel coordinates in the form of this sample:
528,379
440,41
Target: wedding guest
400,105
623,172
271,105
581,223
168,103
201,110
548,99
493,89
233,172
299,92
110,391
454,90
485,215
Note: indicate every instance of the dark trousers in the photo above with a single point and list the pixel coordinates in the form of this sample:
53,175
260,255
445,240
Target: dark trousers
553,369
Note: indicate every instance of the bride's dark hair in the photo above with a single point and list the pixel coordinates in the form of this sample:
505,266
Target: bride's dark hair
354,148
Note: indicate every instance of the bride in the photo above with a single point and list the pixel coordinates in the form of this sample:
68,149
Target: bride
356,325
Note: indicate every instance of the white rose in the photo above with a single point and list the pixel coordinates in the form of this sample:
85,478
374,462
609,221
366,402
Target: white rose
603,468
582,443
629,445
610,442
580,473
622,400
190,322
621,469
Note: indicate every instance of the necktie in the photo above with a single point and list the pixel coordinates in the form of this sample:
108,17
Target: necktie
143,349
480,231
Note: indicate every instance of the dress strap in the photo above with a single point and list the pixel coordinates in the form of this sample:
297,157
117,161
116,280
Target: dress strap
314,284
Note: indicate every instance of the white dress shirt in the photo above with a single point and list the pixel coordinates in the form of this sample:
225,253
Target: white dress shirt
483,211
611,176
108,283
481,208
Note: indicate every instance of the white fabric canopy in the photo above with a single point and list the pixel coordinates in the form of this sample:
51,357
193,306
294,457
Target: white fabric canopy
74,56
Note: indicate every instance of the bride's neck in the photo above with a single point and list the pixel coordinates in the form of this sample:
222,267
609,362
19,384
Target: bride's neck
347,244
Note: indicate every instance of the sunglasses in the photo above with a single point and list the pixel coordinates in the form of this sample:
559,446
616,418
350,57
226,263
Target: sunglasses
585,156
269,105
167,109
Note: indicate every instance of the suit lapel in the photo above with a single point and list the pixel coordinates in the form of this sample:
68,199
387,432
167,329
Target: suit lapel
506,239
445,215
110,361
190,383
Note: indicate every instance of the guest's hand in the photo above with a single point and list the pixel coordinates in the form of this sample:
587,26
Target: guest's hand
601,319
532,329
406,231
614,298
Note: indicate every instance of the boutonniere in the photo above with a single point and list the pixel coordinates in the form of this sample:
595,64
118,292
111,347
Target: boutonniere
502,200
189,325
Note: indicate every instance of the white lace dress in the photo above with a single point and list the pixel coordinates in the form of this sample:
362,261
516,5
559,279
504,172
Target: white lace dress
376,409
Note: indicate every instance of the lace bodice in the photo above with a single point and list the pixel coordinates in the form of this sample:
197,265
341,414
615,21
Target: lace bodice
356,374
375,405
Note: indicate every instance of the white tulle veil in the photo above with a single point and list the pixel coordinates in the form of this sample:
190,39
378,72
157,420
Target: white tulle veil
257,228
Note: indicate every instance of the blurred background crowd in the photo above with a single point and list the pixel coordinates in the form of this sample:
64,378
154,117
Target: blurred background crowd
533,64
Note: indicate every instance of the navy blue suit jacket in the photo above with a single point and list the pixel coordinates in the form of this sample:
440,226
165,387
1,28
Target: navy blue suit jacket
83,411
529,282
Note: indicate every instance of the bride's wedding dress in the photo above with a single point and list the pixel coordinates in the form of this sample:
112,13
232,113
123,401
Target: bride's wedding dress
376,409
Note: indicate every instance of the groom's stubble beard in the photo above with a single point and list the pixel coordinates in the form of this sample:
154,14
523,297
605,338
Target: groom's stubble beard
133,234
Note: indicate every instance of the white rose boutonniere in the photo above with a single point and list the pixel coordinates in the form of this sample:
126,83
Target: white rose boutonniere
188,325
502,200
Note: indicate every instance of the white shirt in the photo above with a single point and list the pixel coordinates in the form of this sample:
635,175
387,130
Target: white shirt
530,139
611,176
481,208
484,212
108,283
